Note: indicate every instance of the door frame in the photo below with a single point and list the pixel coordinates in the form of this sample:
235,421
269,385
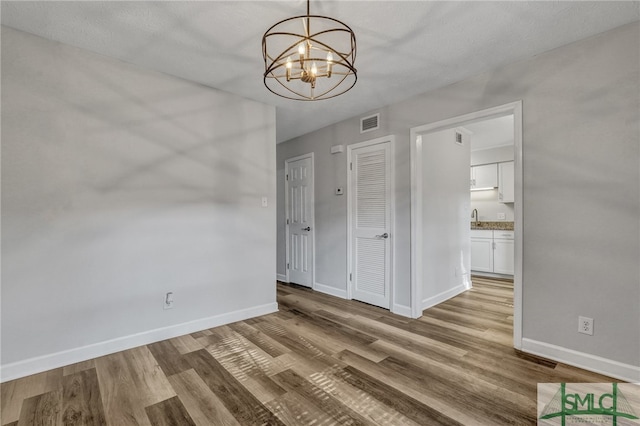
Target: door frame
392,243
515,109
313,219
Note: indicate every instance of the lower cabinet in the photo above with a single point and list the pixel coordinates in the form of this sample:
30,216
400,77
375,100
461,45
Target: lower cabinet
503,252
492,251
481,250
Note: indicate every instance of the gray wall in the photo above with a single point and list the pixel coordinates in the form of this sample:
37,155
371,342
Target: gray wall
581,156
118,185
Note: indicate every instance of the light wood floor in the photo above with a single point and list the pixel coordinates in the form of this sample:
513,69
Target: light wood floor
319,361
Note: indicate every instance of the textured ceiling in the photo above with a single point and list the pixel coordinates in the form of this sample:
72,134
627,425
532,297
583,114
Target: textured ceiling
404,48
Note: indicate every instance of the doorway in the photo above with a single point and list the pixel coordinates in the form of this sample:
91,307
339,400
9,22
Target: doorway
492,197
300,228
417,198
370,209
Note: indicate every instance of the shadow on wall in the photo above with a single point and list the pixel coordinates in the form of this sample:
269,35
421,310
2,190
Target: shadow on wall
120,185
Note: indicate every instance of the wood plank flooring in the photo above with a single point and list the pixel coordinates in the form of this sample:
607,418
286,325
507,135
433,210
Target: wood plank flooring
319,361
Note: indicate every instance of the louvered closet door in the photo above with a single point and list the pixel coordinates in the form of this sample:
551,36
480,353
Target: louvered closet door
371,212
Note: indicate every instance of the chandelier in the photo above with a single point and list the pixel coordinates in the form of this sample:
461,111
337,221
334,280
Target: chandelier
309,58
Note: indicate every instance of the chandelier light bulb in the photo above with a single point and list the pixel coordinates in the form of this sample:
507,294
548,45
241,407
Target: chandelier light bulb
289,65
301,52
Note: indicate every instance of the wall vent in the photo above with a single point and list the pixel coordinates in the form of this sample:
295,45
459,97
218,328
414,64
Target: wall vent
370,123
459,138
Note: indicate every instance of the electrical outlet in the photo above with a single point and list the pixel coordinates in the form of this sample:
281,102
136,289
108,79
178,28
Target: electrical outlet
585,325
502,216
168,300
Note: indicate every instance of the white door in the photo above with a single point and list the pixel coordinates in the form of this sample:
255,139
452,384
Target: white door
506,182
370,240
485,176
482,254
299,183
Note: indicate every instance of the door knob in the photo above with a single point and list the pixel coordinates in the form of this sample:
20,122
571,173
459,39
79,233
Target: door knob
308,228
385,235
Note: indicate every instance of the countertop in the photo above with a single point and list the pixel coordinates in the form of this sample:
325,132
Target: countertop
498,226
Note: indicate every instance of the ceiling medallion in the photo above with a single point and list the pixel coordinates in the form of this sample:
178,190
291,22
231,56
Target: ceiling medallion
309,58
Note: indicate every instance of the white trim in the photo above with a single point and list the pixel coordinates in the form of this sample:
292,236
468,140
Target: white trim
282,277
491,147
313,208
514,108
42,363
330,290
491,275
349,272
608,367
416,224
518,225
402,310
445,295
392,170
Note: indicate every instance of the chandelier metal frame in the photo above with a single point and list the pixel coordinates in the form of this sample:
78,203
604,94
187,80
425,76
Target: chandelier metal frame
302,59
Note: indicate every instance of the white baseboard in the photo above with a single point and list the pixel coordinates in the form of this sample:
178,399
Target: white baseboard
42,363
402,310
491,275
445,295
582,360
333,291
282,277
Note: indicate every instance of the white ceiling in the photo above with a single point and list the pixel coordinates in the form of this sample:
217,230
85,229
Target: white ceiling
404,47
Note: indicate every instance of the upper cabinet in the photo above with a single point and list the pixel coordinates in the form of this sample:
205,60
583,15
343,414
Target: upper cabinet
484,177
506,186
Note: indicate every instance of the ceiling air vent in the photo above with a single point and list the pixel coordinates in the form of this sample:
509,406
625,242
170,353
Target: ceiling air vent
370,123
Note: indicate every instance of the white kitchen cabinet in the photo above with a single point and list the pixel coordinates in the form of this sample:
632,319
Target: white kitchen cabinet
503,252
506,184
484,177
492,251
481,250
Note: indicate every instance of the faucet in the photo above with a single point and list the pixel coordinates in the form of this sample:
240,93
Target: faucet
474,215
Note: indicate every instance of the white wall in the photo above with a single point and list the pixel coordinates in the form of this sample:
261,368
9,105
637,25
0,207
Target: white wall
581,151
119,185
488,205
445,216
491,155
